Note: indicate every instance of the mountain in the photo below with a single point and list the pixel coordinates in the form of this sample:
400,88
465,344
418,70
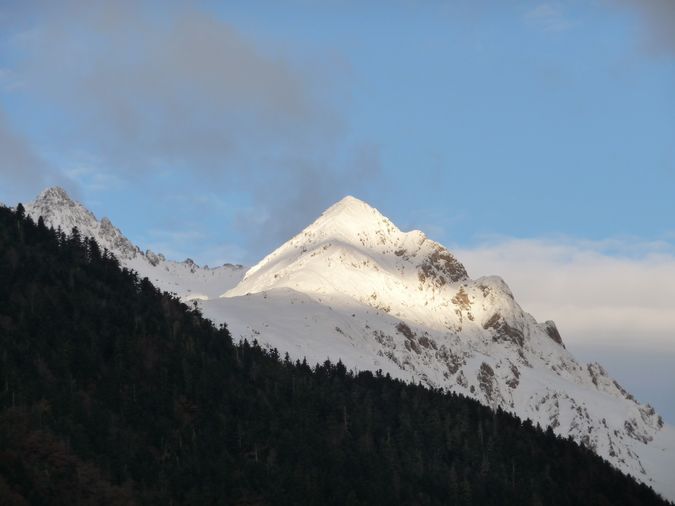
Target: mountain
186,279
353,287
115,393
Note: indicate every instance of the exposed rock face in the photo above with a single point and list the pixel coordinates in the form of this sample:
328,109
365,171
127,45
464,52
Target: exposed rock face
552,331
503,331
411,338
154,258
489,385
405,330
514,380
441,267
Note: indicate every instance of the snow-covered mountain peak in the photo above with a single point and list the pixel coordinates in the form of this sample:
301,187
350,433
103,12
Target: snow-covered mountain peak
352,254
352,238
349,202
353,286
350,207
355,222
349,218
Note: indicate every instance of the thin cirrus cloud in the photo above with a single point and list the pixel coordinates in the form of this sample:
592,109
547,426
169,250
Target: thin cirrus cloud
549,17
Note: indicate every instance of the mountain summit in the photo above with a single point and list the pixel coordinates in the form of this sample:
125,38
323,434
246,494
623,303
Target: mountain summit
350,249
353,287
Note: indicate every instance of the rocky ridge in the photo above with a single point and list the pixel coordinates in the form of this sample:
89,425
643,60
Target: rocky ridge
186,279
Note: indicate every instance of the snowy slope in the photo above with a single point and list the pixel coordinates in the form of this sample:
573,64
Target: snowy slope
185,279
352,286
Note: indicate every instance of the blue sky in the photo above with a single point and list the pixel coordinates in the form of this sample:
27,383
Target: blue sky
217,131
462,118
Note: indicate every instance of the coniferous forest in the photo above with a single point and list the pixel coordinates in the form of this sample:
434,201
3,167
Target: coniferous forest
112,392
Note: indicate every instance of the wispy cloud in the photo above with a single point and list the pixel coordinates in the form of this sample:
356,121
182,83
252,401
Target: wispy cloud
9,81
92,178
549,17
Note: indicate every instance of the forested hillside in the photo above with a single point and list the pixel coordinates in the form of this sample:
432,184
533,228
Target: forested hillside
114,393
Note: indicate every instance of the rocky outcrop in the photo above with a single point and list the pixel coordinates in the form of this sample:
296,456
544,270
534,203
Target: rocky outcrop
552,332
154,258
441,267
503,331
489,385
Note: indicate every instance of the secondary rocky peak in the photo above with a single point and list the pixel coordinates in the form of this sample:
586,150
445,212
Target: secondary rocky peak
187,280
54,194
59,210
53,200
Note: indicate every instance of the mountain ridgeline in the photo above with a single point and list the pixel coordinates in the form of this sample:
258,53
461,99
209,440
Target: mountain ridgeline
113,392
352,286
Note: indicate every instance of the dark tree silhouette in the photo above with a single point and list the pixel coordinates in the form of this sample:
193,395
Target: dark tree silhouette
112,392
